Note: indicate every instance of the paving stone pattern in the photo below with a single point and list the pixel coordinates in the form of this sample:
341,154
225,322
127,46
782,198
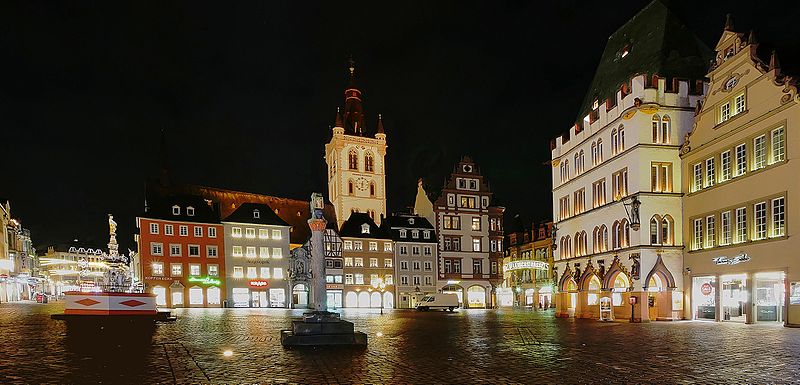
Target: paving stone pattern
469,346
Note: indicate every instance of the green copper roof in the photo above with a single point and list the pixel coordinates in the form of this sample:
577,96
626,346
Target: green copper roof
657,43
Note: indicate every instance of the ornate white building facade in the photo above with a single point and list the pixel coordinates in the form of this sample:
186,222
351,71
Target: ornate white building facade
618,168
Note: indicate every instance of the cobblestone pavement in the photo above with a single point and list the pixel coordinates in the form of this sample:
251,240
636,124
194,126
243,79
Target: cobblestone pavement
473,346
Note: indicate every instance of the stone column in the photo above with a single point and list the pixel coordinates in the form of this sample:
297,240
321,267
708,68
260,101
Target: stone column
318,291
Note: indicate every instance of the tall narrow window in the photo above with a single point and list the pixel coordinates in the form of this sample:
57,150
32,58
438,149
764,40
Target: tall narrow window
724,112
661,177
725,228
350,187
778,217
741,224
620,184
666,230
725,164
760,222
738,105
710,172
614,142
778,143
741,159
371,189
654,230
759,152
656,122
697,243
594,154
352,160
582,162
710,231
599,151
665,130
697,182
369,162
599,193
621,139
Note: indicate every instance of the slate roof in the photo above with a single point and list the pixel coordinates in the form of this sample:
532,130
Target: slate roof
658,43
160,207
352,227
244,214
397,221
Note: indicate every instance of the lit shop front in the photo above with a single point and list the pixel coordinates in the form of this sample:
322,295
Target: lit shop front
258,293
744,297
528,284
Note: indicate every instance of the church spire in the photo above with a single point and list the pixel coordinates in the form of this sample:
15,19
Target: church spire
729,22
338,122
380,125
353,110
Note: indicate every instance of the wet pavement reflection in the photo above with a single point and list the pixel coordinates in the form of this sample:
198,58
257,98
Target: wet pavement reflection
468,346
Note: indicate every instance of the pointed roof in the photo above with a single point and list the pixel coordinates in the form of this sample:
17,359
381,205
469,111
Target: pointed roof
654,42
380,125
255,213
353,110
338,122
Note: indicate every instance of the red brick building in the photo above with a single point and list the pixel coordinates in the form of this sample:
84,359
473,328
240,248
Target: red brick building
181,249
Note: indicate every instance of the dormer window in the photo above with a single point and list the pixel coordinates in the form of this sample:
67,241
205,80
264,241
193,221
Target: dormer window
410,221
176,210
190,211
402,233
365,228
595,104
467,168
426,234
256,214
414,234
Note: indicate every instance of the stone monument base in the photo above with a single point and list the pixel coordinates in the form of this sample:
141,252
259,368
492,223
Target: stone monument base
319,328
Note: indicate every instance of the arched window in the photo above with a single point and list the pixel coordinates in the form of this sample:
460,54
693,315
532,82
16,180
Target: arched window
596,240
566,169
594,154
656,121
353,159
583,162
615,235
584,243
667,232
350,187
372,189
599,151
577,164
569,246
369,162
614,142
604,243
665,129
655,230
561,170
578,245
626,234
621,139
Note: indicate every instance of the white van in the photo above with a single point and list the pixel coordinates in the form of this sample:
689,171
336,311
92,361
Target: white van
438,301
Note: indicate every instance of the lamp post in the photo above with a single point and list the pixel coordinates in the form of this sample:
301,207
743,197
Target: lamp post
380,285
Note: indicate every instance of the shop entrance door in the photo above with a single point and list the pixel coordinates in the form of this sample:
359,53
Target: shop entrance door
260,299
734,297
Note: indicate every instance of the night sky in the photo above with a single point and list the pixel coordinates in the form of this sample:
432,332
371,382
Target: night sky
247,91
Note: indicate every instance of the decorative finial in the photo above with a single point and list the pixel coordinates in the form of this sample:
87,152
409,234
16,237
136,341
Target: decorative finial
751,40
774,64
729,22
351,65
380,125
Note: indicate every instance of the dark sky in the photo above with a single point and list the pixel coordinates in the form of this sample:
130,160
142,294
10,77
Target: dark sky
247,91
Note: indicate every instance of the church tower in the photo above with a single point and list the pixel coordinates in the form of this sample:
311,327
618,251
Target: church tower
355,158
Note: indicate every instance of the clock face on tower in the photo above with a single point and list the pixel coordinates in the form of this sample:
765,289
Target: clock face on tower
362,183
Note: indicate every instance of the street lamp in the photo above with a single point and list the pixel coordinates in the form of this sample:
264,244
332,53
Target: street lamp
380,285
633,213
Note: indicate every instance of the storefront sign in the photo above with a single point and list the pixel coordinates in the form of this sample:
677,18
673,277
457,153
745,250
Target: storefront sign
706,288
743,257
205,280
526,264
258,284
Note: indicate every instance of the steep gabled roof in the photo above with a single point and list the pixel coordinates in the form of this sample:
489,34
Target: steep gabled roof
245,213
352,227
654,42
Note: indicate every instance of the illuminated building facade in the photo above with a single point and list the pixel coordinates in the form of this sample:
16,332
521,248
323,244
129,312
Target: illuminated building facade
470,236
257,258
72,267
355,159
739,181
527,268
618,168
416,256
368,255
181,251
